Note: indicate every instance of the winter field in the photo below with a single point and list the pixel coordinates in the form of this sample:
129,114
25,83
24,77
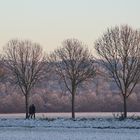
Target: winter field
50,127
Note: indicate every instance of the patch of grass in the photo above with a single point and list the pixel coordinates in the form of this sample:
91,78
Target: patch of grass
134,117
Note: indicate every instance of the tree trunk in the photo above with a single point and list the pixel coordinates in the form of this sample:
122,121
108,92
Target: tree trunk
124,107
73,105
26,106
73,101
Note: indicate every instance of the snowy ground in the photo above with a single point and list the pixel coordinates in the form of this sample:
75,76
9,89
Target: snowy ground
69,123
68,134
68,129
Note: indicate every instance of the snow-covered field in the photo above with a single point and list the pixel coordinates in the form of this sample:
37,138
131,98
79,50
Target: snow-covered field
68,129
69,123
68,134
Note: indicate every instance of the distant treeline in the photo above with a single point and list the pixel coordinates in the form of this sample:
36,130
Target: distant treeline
98,95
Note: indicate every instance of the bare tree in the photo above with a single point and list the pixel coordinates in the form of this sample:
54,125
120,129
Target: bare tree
74,64
25,61
119,52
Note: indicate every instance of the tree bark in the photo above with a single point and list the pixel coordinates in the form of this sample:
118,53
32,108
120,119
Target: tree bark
26,106
73,102
124,107
73,106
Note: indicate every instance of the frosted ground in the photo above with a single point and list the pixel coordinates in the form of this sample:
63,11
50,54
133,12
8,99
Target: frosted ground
43,128
68,134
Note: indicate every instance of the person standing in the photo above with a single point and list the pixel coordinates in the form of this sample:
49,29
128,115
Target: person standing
30,112
33,111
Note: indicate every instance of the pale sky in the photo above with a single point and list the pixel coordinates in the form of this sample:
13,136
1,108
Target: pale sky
49,22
